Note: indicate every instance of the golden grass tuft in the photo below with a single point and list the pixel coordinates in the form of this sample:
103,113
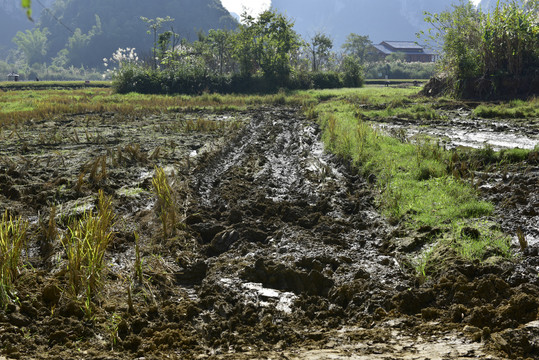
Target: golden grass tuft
86,242
12,243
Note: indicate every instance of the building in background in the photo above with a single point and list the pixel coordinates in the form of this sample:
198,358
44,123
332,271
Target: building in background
412,51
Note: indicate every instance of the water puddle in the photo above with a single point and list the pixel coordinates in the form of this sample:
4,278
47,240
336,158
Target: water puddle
264,297
475,134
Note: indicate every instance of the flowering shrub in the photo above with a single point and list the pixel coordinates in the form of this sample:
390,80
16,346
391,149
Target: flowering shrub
122,59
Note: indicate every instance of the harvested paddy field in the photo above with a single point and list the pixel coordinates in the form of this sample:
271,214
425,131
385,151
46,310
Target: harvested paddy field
232,233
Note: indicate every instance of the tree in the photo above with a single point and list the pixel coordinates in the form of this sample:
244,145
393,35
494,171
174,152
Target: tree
154,25
267,42
33,44
352,72
222,43
484,49
320,47
458,32
78,44
358,46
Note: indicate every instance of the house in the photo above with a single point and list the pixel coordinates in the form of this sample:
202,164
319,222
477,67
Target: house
412,51
12,77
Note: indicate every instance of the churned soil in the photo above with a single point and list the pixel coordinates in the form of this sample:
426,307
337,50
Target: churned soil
279,252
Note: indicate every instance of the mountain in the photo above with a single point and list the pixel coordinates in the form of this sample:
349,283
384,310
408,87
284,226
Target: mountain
14,19
106,25
380,20
489,5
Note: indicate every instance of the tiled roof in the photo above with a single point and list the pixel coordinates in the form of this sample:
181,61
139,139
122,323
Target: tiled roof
383,49
404,45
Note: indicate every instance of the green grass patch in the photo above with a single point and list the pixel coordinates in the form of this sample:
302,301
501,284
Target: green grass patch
45,85
480,240
415,181
515,109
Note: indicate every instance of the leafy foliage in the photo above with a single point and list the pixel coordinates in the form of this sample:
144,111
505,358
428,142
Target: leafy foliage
33,44
485,48
320,48
358,46
266,42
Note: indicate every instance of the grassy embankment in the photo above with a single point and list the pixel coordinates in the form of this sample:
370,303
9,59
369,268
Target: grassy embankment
422,187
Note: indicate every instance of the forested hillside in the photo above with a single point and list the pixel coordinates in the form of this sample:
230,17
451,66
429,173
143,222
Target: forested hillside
85,32
14,19
380,20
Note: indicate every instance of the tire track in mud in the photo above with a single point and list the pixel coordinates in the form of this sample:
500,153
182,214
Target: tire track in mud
294,241
320,212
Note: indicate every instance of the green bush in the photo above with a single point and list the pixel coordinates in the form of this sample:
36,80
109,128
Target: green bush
489,54
145,80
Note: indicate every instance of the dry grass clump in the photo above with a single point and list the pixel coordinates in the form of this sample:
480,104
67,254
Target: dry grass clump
86,242
166,201
12,243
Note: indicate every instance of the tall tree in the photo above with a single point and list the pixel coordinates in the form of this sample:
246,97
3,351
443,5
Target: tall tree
270,40
320,47
358,46
78,44
33,44
222,43
154,25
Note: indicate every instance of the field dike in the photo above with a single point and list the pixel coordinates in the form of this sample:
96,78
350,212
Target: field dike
276,251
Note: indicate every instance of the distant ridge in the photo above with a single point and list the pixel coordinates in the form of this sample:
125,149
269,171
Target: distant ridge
380,20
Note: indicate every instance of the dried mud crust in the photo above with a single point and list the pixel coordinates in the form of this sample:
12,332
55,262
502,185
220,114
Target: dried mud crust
281,252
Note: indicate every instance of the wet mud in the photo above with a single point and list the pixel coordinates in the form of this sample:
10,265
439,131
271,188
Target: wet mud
279,251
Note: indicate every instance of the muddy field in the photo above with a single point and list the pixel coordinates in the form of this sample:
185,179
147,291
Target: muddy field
279,251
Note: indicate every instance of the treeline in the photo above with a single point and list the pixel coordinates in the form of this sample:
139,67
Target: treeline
263,54
487,55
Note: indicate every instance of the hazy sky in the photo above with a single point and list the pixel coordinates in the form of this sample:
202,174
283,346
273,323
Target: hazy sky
256,6
252,6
